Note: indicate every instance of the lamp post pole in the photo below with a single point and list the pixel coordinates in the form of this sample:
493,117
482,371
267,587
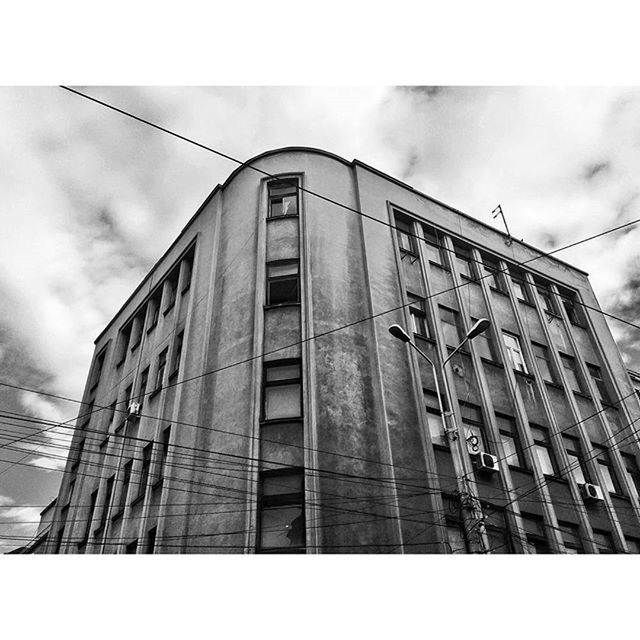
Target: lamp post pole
472,519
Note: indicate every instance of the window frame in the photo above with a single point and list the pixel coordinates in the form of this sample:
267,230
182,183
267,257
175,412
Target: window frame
545,444
274,364
277,279
510,350
405,235
418,315
574,452
292,185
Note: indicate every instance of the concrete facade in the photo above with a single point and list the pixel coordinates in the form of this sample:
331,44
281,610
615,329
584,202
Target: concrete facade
279,415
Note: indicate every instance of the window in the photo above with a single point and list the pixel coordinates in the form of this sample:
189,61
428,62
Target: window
177,353
604,541
64,512
85,416
633,545
282,283
128,392
123,343
144,380
92,509
632,469
418,315
97,369
72,485
406,238
596,376
151,540
514,351
520,288
187,270
483,344
541,354
111,413
171,288
464,261
132,547
570,306
473,428
147,452
456,540
542,450
434,419
546,300
164,452
162,365
138,326
569,366
282,525
283,198
536,540
80,448
282,391
606,469
493,273
154,309
571,537
497,533
509,439
107,500
434,246
572,446
281,445
126,481
450,326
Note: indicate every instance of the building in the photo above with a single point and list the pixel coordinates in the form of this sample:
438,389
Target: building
248,396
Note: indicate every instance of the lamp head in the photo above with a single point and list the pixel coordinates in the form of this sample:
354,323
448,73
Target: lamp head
479,327
398,332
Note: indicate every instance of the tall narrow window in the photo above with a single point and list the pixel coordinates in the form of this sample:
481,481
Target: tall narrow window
144,381
107,500
164,452
283,282
473,428
493,273
92,509
97,369
126,481
418,315
450,326
434,246
78,456
406,238
604,541
282,391
633,471
536,539
162,365
154,309
151,540
569,366
542,450
464,262
514,351
64,512
123,344
132,547
138,327
510,440
546,299
596,376
572,446
483,344
147,452
177,354
171,289
434,419
128,393
520,288
571,537
187,269
282,525
571,307
543,361
111,414
607,471
283,198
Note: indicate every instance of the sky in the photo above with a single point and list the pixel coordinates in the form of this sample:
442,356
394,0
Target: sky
90,199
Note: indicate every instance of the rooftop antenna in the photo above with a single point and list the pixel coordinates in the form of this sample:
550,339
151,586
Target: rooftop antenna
500,212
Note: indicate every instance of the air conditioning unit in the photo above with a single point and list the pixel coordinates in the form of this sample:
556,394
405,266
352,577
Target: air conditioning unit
486,463
133,409
592,492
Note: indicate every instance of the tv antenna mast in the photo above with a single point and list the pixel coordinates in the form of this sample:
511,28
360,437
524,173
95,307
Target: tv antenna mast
499,212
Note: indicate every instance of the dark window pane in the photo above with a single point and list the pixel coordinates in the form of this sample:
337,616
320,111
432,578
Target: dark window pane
283,372
276,485
281,445
282,527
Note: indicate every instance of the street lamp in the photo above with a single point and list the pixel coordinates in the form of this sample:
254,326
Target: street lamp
458,457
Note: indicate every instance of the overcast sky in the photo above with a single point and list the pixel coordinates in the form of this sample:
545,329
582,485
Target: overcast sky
90,199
